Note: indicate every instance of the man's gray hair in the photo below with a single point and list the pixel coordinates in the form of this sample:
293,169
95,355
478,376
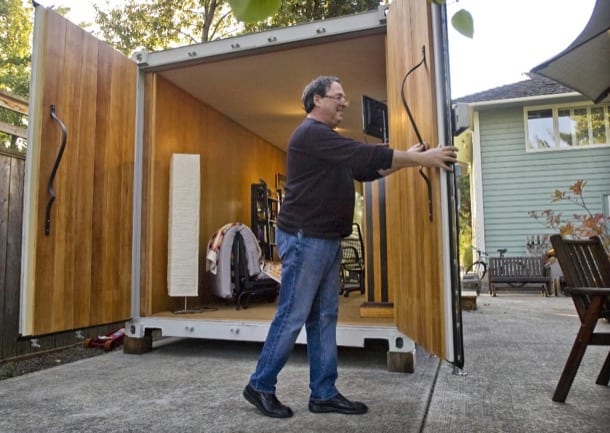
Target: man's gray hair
319,86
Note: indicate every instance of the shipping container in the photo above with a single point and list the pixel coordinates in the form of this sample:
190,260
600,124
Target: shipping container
104,128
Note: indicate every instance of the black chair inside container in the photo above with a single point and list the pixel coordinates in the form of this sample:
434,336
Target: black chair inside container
246,287
352,262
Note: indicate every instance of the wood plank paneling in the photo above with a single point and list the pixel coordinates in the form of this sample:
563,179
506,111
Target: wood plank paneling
83,267
231,158
177,127
13,249
14,103
415,270
11,200
112,186
5,175
11,215
12,171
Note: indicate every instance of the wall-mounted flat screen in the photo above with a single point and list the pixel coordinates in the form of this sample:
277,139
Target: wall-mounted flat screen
375,118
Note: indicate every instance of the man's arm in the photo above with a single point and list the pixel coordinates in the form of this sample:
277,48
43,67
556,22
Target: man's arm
439,157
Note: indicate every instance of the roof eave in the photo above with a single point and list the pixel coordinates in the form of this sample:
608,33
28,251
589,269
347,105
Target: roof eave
522,100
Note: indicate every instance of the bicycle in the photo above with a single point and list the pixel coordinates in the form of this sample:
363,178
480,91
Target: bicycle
479,266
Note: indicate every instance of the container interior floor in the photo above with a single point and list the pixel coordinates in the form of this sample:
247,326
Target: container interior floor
349,312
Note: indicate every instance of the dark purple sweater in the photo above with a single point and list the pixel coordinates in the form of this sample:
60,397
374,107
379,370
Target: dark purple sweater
321,168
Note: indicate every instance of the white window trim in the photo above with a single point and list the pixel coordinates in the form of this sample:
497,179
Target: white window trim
555,109
476,186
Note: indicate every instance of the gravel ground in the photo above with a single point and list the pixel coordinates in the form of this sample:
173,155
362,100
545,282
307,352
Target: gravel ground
42,361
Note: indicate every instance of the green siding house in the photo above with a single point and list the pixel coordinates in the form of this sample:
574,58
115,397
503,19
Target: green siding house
529,139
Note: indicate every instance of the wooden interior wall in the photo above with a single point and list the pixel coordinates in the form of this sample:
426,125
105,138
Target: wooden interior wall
378,291
232,158
415,268
83,267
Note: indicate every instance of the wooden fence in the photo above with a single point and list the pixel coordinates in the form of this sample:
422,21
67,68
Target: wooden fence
12,345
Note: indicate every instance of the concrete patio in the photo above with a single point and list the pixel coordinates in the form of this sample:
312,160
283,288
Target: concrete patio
515,346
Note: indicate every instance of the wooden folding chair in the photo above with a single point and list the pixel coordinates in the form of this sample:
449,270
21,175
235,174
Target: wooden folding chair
586,270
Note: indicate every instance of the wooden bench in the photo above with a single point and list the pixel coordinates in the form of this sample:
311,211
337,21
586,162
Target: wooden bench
519,271
586,271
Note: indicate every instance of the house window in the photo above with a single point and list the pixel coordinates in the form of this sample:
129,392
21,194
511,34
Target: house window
567,127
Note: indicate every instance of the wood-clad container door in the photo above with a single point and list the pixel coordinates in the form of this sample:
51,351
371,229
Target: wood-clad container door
421,237
77,231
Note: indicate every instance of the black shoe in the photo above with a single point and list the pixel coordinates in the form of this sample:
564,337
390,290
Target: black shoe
267,403
338,404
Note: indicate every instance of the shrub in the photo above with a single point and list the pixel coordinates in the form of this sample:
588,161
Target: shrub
579,225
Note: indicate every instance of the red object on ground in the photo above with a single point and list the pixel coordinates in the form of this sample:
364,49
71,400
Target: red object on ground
108,341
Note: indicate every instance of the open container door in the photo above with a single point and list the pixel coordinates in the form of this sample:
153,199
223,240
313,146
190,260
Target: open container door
422,233
77,231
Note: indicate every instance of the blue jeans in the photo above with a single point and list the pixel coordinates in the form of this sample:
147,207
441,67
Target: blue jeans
309,295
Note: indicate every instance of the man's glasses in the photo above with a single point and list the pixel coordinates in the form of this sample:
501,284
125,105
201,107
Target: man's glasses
339,98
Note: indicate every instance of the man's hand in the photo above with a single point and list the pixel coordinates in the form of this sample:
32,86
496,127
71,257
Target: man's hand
440,157
419,154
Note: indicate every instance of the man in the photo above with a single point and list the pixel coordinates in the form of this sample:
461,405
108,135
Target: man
316,213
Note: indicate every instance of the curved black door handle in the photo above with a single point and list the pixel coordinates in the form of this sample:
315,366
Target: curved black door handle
415,128
64,138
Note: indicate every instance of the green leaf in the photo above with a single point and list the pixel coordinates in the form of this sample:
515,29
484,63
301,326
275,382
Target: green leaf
251,11
462,22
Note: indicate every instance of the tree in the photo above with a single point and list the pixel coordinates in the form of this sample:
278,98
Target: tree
465,219
577,225
291,12
300,11
15,59
160,24
15,41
